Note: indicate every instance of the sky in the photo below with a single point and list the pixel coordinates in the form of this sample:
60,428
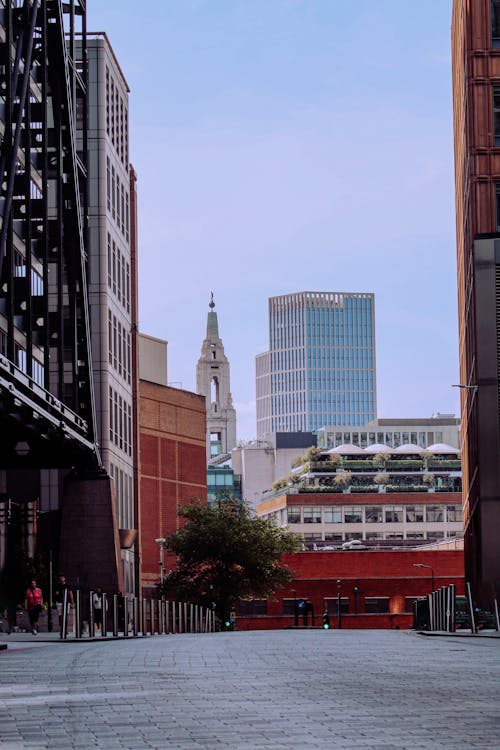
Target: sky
292,145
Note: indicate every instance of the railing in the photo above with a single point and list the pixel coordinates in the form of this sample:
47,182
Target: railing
443,611
126,617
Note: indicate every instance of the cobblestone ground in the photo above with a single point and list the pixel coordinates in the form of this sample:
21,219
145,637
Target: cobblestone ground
262,691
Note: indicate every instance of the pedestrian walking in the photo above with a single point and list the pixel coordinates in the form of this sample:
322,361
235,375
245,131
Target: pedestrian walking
33,605
60,588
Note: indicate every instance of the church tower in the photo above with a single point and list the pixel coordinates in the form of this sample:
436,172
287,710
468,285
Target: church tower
213,382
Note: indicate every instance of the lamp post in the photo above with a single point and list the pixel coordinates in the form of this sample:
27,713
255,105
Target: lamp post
161,541
423,565
339,613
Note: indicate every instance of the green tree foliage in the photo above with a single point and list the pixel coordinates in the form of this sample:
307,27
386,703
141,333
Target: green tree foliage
224,554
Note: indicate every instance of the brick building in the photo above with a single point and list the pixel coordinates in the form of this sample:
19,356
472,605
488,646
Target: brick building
377,587
172,431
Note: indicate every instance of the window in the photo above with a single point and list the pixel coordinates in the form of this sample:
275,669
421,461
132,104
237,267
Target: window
377,605
252,607
394,535
3,342
495,23
453,513
353,514
332,515
312,515
394,514
20,357
374,514
496,115
435,535
435,514
331,605
293,514
329,537
415,514
38,372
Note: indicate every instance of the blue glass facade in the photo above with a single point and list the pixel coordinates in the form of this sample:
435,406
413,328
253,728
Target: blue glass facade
322,360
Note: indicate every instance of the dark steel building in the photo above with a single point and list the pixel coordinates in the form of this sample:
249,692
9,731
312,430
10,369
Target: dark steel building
47,410
476,108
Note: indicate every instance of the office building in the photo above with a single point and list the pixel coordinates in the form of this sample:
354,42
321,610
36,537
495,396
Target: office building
440,428
476,109
378,494
320,366
213,381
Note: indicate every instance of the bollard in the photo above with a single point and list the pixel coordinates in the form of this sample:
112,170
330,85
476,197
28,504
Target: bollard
174,624
167,613
125,616
180,623
191,613
144,617
164,617
64,627
160,617
104,624
152,616
78,614
431,617
497,619
91,615
472,616
186,618
453,625
136,615
115,615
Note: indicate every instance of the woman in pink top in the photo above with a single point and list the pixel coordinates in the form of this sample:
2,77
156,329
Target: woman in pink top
33,604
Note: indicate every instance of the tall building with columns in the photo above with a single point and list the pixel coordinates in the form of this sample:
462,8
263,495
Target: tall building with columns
213,382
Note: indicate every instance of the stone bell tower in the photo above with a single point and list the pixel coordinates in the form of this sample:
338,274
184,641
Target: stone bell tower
213,382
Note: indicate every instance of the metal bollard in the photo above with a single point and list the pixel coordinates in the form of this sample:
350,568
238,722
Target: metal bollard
152,615
186,618
179,618
161,625
167,613
472,616
64,627
125,616
115,615
453,625
174,628
78,614
136,614
91,615
144,617
104,625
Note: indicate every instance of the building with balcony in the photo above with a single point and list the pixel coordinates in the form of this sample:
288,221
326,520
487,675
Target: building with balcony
378,494
320,366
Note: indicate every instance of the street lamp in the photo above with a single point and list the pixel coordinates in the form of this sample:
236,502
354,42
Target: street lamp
161,541
423,565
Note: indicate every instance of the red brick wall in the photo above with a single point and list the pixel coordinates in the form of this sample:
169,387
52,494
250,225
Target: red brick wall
173,465
378,573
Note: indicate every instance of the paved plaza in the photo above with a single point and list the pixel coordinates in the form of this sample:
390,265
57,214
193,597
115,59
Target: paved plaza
278,690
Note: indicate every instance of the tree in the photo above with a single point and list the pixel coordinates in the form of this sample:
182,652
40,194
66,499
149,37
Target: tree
224,555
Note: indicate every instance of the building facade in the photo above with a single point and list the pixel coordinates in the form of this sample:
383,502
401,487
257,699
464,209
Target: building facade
440,428
378,495
110,281
213,381
476,109
173,468
320,367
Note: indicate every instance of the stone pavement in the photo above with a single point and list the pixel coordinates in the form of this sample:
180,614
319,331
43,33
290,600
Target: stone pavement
265,690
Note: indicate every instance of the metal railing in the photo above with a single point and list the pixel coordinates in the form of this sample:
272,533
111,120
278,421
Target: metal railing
123,617
443,611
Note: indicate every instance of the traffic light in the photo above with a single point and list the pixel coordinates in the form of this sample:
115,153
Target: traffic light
326,621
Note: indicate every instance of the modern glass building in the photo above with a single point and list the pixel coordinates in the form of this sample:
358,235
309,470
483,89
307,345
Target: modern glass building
320,367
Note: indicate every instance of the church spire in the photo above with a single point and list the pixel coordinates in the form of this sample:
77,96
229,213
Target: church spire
212,323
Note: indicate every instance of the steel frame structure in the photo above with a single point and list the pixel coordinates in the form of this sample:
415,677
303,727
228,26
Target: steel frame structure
47,412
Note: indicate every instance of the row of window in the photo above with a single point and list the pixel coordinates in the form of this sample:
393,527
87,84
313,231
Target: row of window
21,360
124,492
375,514
117,199
367,604
392,439
20,272
118,274
116,118
120,422
119,347
337,537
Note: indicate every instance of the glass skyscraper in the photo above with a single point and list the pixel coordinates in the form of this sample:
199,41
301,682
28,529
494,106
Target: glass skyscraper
320,367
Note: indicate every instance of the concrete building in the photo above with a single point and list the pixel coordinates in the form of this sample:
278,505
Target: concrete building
476,108
260,463
172,429
110,272
213,381
440,428
377,494
320,367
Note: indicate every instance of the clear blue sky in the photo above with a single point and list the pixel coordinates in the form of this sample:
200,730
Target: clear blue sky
287,145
